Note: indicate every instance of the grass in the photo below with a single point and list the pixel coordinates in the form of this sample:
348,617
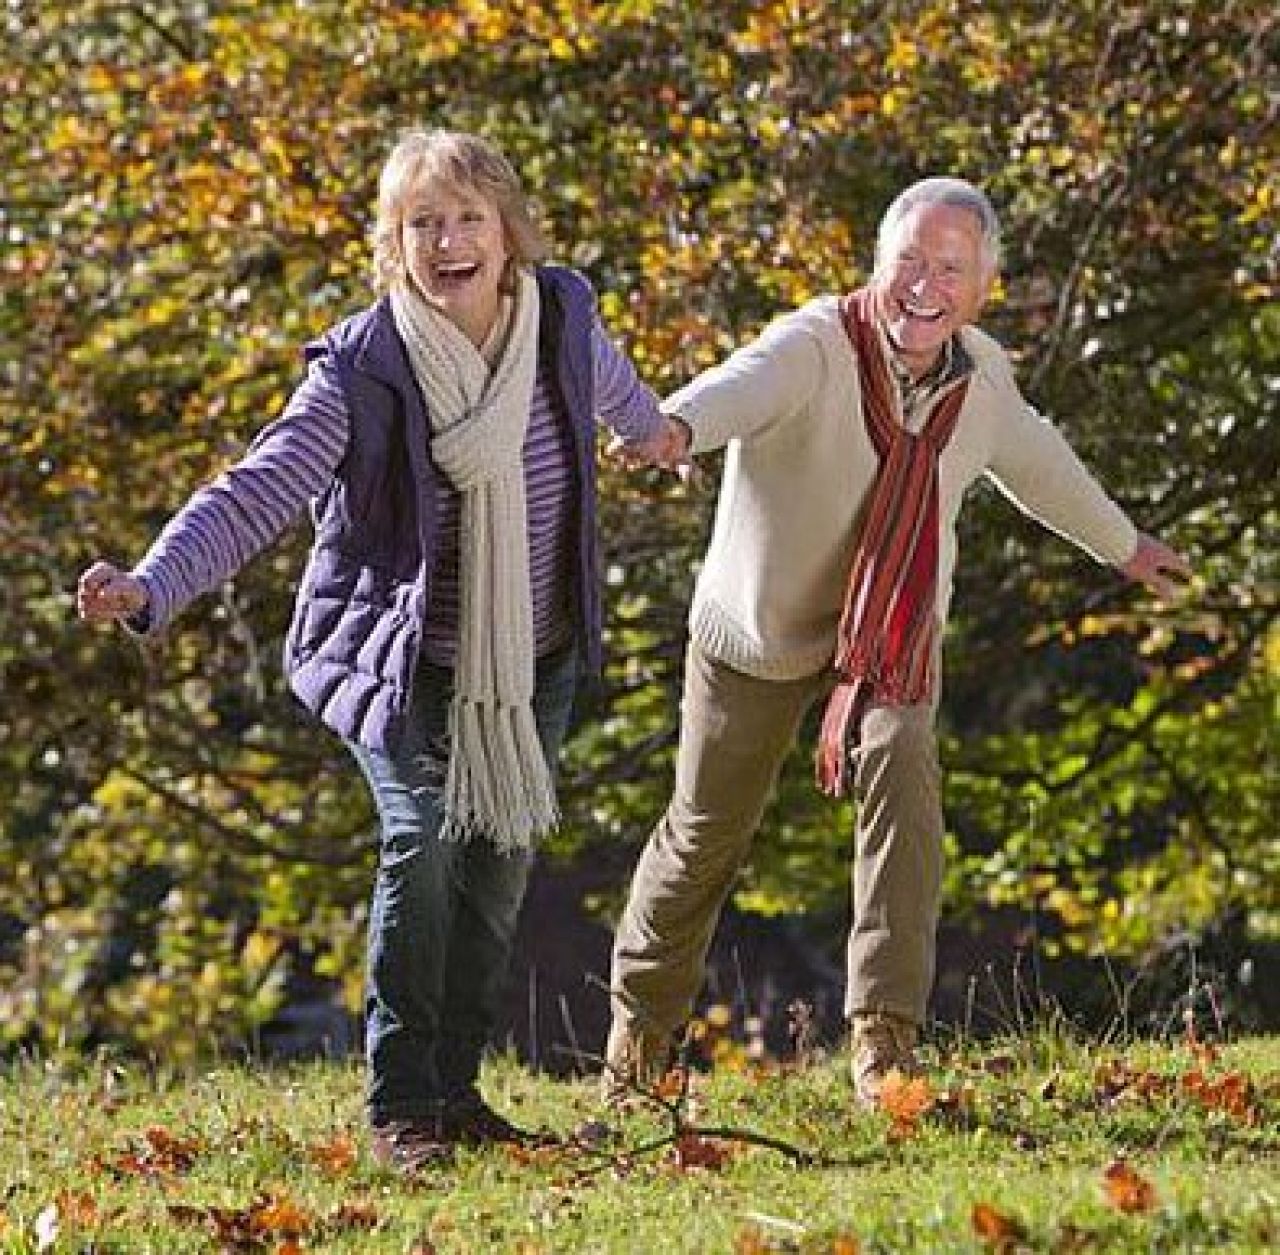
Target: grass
102,1157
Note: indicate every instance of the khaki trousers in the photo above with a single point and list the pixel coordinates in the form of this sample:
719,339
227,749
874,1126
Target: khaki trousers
735,732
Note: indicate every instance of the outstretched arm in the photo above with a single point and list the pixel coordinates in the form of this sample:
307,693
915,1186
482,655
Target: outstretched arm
233,518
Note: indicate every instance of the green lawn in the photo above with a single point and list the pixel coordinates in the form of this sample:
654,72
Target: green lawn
1012,1141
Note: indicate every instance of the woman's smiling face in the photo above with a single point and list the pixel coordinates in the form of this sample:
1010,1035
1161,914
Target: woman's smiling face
455,251
932,279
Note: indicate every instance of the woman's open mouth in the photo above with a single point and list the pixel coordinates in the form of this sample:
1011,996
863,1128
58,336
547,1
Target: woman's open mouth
454,274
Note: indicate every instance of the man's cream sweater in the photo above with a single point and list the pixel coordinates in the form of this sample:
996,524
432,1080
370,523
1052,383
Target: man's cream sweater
798,467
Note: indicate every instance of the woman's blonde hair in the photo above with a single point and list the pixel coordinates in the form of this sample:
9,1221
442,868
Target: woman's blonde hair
460,159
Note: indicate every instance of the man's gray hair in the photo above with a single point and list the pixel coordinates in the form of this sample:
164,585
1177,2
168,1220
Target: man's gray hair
958,194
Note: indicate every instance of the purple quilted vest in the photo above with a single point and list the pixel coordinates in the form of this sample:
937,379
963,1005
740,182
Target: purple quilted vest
353,644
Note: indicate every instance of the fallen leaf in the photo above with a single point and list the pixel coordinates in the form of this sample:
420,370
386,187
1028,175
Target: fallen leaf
79,1209
1232,1094
282,1216
692,1151
905,1100
356,1215
336,1157
162,1153
995,1228
1127,1190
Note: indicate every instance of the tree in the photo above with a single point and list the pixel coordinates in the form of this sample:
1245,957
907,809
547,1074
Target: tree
187,198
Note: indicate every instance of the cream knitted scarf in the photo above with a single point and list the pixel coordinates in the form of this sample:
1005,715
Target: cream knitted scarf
498,782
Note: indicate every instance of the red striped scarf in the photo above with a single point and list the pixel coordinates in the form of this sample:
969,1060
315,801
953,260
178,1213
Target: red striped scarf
885,648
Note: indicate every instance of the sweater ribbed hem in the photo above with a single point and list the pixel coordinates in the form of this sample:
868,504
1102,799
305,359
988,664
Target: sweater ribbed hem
159,612
723,639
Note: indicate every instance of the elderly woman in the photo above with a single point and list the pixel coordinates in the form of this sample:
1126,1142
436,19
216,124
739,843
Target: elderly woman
446,439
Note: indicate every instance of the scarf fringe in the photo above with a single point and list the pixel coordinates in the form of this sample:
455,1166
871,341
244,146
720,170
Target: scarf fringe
869,678
498,783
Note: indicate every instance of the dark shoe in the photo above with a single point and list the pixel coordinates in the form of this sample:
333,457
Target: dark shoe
470,1121
410,1145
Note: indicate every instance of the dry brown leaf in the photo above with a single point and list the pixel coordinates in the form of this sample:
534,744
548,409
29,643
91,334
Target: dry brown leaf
1232,1094
692,1151
335,1157
161,1153
905,1100
352,1215
995,1228
278,1216
79,1208
1127,1190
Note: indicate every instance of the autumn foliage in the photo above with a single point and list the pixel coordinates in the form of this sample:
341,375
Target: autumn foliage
187,199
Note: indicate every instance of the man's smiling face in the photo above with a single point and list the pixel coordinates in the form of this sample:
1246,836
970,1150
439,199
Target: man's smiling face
932,277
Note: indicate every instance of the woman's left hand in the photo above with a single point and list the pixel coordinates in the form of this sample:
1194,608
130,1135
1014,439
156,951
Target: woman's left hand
667,449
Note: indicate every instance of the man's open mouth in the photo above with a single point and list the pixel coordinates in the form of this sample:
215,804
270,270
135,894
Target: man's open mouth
925,313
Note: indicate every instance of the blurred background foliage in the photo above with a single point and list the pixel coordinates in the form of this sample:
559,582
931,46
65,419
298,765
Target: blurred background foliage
188,191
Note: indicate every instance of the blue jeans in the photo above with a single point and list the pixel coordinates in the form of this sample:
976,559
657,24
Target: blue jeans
444,913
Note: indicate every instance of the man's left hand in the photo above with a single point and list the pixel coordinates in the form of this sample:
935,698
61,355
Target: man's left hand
1163,570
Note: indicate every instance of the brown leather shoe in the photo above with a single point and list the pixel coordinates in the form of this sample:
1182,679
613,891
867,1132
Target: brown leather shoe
881,1044
409,1145
469,1121
634,1062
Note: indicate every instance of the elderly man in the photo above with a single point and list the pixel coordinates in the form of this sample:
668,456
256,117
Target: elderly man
854,426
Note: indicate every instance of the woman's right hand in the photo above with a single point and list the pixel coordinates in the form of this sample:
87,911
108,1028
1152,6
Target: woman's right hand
105,593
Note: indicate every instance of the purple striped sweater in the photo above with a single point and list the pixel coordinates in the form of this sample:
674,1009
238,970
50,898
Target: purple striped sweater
229,521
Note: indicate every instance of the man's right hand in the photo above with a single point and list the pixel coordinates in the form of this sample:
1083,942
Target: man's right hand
667,449
106,593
